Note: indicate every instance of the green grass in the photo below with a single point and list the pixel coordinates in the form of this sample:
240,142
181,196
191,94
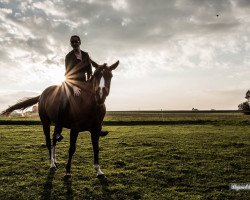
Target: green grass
147,118
140,162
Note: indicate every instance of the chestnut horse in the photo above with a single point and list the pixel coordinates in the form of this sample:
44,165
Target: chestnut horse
85,112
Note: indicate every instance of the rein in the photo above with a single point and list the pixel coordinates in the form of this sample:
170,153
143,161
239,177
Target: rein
82,85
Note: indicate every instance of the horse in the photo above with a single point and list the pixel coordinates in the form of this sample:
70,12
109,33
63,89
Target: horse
85,112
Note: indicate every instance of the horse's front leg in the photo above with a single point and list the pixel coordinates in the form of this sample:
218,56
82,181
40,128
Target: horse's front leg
72,149
95,144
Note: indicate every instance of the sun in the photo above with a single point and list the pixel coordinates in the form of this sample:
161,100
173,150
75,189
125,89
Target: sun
57,76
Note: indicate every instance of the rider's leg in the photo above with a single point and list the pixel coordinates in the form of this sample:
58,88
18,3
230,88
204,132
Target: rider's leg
63,107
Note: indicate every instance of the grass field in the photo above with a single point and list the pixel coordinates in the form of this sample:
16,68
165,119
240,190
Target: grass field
176,161
147,117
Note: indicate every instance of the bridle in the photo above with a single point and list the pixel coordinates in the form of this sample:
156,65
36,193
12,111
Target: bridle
101,84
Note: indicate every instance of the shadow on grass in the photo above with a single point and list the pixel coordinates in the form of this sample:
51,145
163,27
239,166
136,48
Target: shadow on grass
105,187
47,187
68,186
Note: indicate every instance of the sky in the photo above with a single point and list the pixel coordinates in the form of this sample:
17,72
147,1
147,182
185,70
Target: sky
174,54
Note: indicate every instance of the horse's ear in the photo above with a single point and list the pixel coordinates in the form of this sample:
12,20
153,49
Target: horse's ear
112,67
95,65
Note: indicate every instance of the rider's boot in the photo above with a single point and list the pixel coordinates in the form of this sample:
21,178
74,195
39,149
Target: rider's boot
104,133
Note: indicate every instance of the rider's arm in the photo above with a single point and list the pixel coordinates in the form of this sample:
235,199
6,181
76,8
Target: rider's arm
66,66
77,90
89,69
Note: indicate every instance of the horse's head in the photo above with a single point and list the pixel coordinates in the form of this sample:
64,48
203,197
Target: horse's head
102,80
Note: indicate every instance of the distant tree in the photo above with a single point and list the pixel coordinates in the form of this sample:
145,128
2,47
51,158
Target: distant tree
245,106
248,95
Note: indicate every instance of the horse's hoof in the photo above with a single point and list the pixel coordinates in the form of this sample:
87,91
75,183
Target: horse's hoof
100,175
67,177
52,168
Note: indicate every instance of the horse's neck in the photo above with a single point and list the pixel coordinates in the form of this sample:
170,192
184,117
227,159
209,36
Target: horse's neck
88,86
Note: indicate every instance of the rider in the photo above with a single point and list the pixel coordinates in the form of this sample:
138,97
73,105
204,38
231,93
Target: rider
78,69
77,63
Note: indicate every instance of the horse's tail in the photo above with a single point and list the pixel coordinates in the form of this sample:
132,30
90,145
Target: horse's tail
21,105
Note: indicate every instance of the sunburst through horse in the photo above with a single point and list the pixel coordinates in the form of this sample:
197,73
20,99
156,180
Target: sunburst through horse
86,112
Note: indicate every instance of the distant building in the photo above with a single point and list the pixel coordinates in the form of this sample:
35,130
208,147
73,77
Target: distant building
194,109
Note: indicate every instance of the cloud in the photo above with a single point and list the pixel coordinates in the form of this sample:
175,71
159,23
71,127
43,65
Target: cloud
119,4
152,39
49,8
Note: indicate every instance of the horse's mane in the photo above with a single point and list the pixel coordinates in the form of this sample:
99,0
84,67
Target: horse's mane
88,84
90,80
95,74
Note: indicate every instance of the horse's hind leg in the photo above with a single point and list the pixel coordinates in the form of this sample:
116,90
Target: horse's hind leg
46,130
